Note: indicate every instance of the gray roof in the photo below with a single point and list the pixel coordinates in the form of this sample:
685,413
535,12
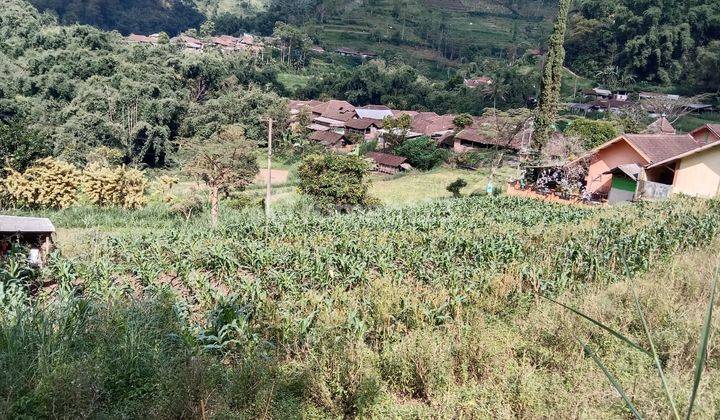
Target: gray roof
14,224
375,114
632,170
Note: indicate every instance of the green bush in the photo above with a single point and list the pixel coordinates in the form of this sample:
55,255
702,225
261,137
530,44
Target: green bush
422,153
592,132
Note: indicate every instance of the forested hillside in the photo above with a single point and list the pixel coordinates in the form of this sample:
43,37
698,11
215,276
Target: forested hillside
67,90
655,41
139,16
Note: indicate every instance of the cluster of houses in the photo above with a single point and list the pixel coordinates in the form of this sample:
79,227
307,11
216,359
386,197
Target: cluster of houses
338,124
605,100
226,43
246,43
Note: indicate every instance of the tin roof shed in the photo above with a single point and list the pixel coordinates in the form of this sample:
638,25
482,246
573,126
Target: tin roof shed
15,224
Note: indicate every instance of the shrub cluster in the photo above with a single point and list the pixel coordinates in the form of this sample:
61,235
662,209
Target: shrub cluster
119,186
53,184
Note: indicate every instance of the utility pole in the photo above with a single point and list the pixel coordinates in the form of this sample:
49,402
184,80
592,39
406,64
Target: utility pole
269,176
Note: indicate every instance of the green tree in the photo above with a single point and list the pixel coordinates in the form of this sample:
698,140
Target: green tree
294,43
20,146
456,186
592,132
207,29
336,182
396,130
551,80
163,38
226,161
422,153
463,121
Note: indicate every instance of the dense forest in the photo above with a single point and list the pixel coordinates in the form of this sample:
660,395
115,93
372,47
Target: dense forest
66,90
656,41
139,16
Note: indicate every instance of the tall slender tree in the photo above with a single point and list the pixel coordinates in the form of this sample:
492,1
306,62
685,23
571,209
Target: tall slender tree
551,79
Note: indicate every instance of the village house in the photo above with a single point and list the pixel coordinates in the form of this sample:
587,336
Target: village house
35,233
336,110
432,124
142,39
387,163
329,139
226,43
610,105
349,52
479,81
644,150
363,127
654,95
597,93
483,134
695,172
188,42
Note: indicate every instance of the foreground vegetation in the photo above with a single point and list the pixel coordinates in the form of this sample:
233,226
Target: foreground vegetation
414,312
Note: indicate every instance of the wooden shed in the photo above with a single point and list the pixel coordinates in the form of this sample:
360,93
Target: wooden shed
35,233
388,164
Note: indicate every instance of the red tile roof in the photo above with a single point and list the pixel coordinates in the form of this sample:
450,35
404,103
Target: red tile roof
142,39
658,147
336,110
386,159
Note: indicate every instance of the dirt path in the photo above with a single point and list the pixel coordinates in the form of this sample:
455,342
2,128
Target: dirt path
279,176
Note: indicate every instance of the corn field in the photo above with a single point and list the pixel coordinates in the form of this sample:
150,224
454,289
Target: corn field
465,249
374,290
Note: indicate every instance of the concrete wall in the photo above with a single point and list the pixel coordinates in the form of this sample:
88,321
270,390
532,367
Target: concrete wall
699,174
617,154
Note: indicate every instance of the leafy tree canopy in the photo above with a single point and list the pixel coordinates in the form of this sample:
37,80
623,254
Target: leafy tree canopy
422,153
336,182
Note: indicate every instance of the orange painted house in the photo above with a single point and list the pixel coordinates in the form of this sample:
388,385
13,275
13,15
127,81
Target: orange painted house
640,149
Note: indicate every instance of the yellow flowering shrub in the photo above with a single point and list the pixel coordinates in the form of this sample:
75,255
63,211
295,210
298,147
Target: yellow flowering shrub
119,186
48,183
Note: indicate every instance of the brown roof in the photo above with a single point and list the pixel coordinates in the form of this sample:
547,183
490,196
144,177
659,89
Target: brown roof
225,40
363,123
398,113
142,39
658,147
429,123
295,105
328,138
386,159
714,128
478,136
661,126
335,109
